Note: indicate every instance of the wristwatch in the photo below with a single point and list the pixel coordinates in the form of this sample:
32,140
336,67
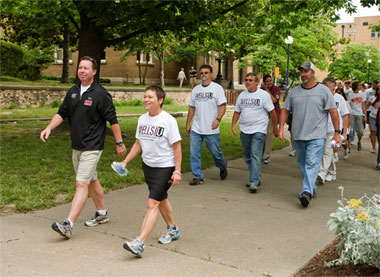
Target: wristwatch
219,119
119,143
337,131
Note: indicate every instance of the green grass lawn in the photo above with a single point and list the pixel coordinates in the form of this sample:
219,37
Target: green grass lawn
49,112
35,175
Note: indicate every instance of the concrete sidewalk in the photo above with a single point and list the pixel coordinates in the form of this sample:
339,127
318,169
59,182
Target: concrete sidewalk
225,230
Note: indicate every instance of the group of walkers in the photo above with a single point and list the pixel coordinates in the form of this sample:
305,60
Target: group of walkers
318,116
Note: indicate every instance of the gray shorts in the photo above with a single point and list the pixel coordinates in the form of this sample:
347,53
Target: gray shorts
85,163
372,123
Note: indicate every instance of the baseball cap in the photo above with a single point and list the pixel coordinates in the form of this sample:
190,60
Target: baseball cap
307,66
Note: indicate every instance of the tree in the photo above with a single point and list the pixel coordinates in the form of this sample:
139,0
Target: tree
40,25
354,63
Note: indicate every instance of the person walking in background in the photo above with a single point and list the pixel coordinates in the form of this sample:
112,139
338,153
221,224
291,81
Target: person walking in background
181,76
376,105
327,171
88,106
252,107
310,103
159,140
346,146
207,106
371,95
357,100
275,93
193,77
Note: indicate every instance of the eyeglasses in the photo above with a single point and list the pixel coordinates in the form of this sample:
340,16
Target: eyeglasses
249,80
202,73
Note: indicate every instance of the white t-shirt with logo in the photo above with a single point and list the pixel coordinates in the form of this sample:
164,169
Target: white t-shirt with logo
341,106
253,108
156,135
356,100
206,101
373,111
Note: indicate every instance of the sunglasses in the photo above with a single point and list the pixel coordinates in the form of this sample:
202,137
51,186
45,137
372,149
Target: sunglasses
249,80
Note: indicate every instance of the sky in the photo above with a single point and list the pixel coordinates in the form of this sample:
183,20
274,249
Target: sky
361,11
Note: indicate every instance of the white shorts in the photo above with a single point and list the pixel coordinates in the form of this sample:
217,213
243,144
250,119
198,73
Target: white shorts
85,163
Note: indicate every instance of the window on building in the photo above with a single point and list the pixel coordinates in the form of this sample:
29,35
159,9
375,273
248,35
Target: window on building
365,23
373,34
103,58
144,57
58,56
378,34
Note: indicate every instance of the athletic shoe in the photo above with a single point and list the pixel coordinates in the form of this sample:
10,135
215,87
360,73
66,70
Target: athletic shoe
330,177
345,155
248,185
266,160
196,182
359,146
305,199
378,166
319,181
135,246
169,235
336,157
253,188
64,228
293,153
97,219
223,173
373,151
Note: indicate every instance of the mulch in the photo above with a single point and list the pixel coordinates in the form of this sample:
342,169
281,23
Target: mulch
316,266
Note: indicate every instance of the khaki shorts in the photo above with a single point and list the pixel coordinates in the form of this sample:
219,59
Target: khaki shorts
85,163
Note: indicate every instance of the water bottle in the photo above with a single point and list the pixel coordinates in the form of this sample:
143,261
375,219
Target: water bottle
118,168
335,145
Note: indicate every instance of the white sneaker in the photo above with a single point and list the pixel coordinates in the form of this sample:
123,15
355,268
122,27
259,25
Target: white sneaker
336,157
293,153
345,155
373,151
330,178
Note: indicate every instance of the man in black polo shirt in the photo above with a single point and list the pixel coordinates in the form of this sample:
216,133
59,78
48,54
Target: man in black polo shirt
88,106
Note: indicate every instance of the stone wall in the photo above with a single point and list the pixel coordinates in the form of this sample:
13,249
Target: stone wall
23,96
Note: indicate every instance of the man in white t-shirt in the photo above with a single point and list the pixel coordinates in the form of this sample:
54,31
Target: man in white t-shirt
208,105
252,107
327,171
371,113
357,100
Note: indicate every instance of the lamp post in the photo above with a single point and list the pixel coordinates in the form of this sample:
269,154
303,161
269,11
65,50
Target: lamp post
288,41
369,68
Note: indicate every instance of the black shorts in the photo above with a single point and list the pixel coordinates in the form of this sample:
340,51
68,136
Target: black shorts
157,179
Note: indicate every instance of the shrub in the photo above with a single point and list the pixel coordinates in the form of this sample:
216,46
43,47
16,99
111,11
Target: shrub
48,77
56,103
357,223
168,101
34,62
104,80
133,102
10,59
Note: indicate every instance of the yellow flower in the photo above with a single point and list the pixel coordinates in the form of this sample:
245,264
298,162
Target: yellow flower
354,203
378,222
362,216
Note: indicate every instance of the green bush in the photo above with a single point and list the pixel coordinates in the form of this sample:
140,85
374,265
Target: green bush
168,101
104,81
10,59
34,62
133,102
49,77
56,103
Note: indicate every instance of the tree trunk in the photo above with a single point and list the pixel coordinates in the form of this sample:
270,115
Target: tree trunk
66,46
91,41
230,71
162,70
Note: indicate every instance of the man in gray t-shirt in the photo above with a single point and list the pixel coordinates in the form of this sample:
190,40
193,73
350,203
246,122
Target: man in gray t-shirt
310,104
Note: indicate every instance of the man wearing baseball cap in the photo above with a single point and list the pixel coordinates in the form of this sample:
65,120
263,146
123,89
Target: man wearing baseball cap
310,104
